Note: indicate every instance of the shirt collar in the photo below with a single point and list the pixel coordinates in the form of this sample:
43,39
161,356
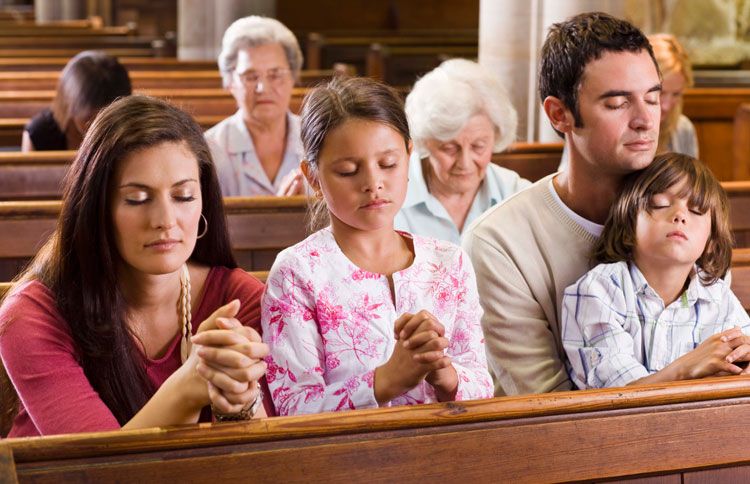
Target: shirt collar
695,291
240,141
238,137
417,192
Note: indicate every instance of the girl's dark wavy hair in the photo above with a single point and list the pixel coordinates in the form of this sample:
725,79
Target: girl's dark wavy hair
704,192
78,264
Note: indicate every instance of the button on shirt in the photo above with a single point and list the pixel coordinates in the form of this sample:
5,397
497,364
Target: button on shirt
616,329
423,214
237,165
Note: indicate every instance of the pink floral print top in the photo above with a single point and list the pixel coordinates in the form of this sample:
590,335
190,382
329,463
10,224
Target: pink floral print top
329,324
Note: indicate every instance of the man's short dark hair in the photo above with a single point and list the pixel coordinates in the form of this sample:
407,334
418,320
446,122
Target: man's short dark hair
572,44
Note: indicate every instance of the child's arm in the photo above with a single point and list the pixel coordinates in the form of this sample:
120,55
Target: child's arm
717,354
709,358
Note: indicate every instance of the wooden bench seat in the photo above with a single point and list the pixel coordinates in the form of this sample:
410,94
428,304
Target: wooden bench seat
324,49
197,102
403,65
157,79
38,175
47,63
67,52
673,432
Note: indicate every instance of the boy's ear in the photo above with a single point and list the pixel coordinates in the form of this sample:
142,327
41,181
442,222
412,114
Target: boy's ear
559,115
310,176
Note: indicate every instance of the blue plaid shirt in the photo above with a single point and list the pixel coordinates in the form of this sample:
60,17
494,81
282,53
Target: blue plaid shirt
616,330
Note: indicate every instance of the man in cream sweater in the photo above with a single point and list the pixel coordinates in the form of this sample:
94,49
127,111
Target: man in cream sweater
599,85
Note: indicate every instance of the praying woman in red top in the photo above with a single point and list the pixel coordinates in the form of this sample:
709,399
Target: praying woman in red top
134,314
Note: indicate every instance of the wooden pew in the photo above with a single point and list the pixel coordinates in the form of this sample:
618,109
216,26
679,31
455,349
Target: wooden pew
403,65
68,28
259,227
532,161
324,49
70,52
40,63
198,102
712,111
739,211
178,79
11,130
38,175
676,432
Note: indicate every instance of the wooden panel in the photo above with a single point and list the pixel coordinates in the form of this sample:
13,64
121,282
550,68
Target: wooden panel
178,79
715,145
197,102
132,64
712,111
7,465
666,479
731,475
553,437
379,14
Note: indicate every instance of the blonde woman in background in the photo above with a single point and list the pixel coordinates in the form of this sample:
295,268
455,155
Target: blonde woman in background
676,132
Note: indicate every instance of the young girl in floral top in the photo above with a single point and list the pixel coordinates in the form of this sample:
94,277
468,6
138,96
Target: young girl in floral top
358,315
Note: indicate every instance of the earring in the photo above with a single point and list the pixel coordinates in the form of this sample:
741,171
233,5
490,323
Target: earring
205,226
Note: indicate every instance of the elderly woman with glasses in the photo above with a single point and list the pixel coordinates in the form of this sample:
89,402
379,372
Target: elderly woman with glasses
459,114
257,150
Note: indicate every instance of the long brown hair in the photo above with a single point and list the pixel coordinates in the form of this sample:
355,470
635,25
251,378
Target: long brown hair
90,81
704,192
78,262
328,106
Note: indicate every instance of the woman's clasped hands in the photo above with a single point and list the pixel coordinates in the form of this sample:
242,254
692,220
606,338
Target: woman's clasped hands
230,359
419,355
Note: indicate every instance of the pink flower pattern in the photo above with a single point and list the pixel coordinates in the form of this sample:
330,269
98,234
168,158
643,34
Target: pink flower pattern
330,324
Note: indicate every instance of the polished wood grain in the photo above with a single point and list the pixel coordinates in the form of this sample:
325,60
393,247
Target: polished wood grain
197,101
599,434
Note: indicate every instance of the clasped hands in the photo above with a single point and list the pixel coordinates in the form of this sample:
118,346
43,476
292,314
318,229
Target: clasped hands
419,355
716,356
230,359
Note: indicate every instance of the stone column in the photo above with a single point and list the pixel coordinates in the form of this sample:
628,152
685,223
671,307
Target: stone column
201,24
507,47
511,34
74,9
47,10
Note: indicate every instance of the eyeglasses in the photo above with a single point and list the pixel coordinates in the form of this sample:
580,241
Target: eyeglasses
274,77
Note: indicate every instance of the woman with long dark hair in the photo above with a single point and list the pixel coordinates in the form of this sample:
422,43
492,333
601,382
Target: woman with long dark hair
96,334
89,82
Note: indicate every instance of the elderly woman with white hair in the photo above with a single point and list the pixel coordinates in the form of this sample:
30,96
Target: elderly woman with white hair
459,114
257,150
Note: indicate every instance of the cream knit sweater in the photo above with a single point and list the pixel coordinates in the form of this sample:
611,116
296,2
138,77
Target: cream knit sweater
525,252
